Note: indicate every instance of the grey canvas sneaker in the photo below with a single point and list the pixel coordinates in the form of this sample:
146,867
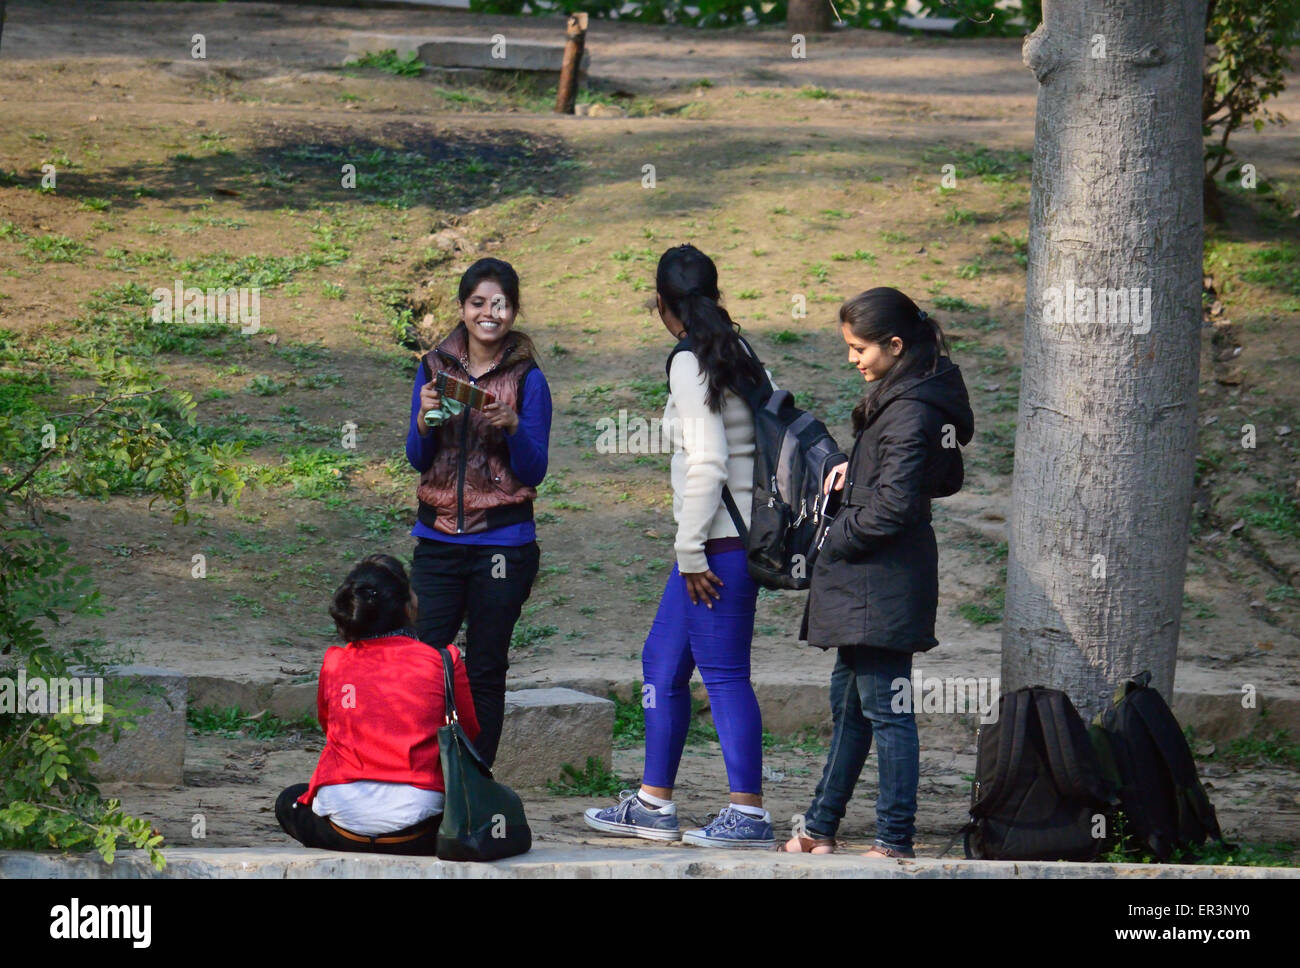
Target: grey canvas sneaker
733,828
632,818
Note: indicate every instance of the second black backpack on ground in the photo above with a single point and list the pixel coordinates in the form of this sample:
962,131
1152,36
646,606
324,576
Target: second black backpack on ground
1143,752
1039,793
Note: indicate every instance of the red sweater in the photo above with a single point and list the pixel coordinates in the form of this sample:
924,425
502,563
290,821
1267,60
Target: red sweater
380,703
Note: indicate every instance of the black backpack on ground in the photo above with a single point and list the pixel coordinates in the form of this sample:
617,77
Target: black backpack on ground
1143,752
1038,787
793,453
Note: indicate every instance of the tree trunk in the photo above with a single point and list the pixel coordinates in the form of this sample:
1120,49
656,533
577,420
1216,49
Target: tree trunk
1106,438
808,16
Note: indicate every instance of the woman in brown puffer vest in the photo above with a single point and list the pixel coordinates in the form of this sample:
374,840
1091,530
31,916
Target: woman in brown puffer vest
476,552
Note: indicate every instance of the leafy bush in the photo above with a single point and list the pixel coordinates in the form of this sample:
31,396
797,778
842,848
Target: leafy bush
1246,45
48,794
978,17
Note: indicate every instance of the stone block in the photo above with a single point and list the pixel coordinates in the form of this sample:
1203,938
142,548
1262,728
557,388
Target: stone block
153,752
546,728
446,51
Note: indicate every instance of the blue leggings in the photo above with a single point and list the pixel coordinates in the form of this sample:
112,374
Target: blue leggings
717,640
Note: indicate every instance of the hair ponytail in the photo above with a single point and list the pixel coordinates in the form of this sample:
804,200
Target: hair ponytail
687,280
372,600
877,316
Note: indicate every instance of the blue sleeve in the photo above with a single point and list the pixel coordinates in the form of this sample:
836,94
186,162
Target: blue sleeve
419,450
531,440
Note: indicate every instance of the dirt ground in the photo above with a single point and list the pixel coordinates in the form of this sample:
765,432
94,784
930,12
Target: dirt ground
817,177
231,785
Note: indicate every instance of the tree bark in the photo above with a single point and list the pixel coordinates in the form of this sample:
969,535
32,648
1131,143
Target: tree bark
808,16
1106,435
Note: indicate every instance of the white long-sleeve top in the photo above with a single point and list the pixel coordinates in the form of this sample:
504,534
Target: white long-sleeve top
708,449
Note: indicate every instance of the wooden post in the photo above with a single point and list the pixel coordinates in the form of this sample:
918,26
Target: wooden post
575,39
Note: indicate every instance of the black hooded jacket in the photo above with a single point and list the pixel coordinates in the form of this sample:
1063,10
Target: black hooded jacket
875,581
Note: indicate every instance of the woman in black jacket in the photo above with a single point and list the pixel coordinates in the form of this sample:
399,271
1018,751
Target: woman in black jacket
875,582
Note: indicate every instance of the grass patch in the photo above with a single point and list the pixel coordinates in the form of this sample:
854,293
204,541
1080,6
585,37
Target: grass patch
525,635
314,472
594,780
234,722
388,61
1273,511
1264,745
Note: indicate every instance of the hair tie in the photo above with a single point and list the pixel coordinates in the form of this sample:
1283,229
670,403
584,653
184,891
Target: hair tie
924,317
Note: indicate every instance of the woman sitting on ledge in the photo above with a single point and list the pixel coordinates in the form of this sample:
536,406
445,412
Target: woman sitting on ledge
378,785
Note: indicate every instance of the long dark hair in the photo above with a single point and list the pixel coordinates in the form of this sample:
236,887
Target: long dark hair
687,280
372,599
500,272
504,275
877,316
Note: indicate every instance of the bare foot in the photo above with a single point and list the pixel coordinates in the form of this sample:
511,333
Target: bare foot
809,845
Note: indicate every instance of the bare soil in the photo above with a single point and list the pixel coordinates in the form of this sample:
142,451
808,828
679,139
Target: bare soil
817,177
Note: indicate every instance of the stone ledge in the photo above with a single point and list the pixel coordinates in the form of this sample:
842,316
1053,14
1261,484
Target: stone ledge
590,862
448,51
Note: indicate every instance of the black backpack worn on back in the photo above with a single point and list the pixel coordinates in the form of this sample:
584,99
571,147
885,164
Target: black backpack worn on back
793,453
1038,788
1142,751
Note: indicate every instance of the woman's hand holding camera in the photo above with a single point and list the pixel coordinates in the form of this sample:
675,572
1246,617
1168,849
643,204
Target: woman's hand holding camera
430,399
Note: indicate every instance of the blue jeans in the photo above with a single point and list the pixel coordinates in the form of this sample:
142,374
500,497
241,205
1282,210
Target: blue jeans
717,640
861,694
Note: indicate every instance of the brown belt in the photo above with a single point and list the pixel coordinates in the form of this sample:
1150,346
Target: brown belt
384,839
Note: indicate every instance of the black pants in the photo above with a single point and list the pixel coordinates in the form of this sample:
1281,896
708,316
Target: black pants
310,830
486,586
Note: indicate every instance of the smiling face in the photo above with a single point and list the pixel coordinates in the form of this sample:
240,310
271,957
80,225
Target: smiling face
873,360
487,313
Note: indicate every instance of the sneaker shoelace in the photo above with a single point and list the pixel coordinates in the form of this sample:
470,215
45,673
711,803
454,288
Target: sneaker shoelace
626,799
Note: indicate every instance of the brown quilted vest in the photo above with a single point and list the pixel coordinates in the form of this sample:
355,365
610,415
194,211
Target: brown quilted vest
470,487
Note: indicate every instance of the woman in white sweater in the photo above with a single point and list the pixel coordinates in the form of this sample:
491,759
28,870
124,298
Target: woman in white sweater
706,615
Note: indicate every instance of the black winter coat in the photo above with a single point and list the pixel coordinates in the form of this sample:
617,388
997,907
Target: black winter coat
875,581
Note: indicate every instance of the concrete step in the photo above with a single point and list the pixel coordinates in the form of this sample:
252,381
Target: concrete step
556,862
459,51
543,729
791,705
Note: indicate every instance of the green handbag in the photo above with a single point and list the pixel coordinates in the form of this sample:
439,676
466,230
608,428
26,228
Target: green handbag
481,819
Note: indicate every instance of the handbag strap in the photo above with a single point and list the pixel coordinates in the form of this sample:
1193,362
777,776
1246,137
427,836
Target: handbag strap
448,688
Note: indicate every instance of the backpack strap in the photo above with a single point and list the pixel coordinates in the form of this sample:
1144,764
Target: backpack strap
1011,750
1073,778
734,511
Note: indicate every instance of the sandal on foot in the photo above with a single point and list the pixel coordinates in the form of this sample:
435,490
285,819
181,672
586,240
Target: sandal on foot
808,845
880,850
